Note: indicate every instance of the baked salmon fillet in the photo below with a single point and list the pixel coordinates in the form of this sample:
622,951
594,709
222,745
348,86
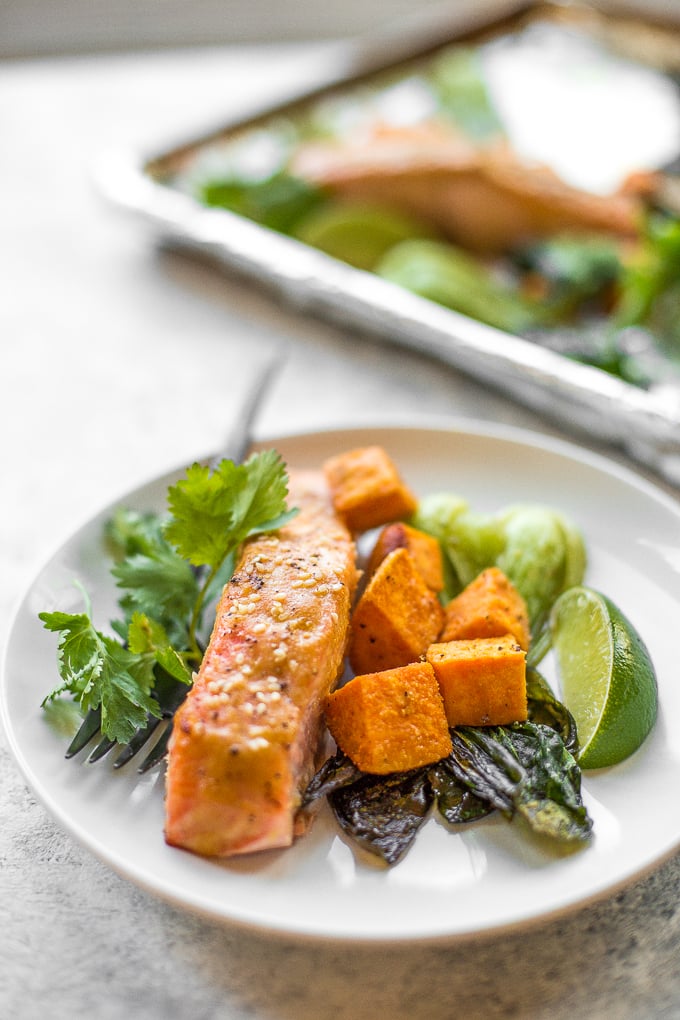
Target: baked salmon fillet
244,742
481,196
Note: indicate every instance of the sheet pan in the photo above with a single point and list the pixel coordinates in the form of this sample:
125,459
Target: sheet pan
643,422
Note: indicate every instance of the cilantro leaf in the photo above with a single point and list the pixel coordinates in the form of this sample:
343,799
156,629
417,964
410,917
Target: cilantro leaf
128,532
147,637
81,650
100,672
213,512
123,693
160,585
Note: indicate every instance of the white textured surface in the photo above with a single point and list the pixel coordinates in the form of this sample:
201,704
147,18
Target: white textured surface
117,363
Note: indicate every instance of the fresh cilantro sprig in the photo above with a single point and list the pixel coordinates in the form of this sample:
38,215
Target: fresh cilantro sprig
101,673
168,569
156,580
214,512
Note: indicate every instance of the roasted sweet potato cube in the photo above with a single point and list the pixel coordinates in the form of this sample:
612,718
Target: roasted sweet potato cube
396,618
489,606
424,549
482,680
367,489
390,721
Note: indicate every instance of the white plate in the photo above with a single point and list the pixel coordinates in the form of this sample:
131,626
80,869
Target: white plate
488,876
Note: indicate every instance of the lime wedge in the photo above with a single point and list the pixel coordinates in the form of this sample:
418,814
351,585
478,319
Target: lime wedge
607,678
356,233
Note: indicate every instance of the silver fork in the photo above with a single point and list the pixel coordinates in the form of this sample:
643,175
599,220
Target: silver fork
168,692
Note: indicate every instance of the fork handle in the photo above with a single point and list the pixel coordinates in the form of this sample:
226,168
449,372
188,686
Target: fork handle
239,438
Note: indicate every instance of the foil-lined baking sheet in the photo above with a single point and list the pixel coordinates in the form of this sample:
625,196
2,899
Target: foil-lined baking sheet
642,420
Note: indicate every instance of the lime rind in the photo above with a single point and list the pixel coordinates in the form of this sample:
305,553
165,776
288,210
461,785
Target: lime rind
607,676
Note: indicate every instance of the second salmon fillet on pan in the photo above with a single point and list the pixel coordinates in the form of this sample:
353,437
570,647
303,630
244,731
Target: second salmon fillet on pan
244,742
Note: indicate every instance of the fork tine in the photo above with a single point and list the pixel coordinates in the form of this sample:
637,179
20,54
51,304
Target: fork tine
141,737
157,754
238,440
102,749
88,729
170,693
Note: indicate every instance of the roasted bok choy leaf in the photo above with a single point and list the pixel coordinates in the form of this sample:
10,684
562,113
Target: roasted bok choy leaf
540,550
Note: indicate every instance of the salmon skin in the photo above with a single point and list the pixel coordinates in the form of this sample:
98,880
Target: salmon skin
244,742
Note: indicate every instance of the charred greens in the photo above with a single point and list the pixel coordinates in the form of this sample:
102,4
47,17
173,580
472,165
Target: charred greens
526,770
545,708
529,762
